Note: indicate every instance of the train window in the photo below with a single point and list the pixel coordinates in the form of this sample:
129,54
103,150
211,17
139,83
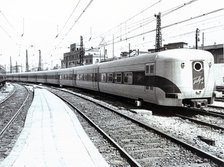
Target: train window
89,77
128,78
118,78
85,77
110,77
139,78
77,76
149,69
103,77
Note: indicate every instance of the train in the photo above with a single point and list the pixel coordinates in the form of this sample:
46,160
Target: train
2,76
177,77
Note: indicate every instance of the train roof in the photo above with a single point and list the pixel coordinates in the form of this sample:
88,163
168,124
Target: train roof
184,54
168,55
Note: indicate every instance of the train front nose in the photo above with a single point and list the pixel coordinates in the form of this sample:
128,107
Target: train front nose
198,85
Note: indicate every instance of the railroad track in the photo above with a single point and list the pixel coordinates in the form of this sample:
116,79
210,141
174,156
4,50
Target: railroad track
8,96
12,116
212,125
213,119
139,143
8,120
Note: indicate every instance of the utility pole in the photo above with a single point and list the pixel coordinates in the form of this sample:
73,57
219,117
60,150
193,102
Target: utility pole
17,67
10,64
113,47
81,53
27,64
39,64
197,38
158,44
203,41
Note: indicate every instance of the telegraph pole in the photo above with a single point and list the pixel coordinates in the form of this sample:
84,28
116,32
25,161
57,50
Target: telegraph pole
197,38
113,47
203,41
39,64
158,44
27,64
10,64
81,54
17,67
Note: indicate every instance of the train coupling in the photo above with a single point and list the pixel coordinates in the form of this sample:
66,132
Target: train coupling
196,103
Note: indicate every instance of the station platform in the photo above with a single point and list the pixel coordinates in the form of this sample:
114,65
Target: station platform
52,137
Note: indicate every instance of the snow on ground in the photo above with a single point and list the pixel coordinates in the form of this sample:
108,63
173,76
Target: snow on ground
5,91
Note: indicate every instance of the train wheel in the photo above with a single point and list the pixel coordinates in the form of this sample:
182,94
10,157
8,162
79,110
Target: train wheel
138,102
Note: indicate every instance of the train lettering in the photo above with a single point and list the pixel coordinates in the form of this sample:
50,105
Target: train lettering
198,80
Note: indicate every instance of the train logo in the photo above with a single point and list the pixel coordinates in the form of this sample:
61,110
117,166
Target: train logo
198,75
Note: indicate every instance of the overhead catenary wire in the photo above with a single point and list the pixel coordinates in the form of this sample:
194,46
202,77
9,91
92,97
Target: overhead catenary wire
8,22
124,22
169,11
76,21
8,35
214,28
176,23
143,22
73,11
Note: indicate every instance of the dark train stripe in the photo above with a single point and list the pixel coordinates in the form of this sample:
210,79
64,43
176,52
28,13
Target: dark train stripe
166,85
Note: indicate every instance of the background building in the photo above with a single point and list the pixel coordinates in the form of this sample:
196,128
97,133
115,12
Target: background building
217,51
72,58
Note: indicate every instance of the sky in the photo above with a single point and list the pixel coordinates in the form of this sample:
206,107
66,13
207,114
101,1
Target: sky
52,25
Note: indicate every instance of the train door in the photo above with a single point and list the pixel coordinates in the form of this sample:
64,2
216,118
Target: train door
74,78
95,78
150,78
58,78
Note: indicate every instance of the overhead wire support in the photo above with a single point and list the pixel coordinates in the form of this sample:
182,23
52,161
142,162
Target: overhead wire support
158,43
162,14
170,25
124,22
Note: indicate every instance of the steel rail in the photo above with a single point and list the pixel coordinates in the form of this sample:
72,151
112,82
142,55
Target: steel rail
10,95
200,122
15,115
129,158
212,113
193,149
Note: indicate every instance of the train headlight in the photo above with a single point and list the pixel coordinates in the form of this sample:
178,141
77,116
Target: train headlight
182,65
198,66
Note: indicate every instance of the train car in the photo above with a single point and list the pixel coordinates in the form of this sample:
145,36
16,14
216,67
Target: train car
13,77
171,78
178,77
67,77
2,79
87,77
2,76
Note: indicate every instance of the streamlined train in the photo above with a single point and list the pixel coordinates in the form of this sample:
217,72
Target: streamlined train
2,79
178,77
